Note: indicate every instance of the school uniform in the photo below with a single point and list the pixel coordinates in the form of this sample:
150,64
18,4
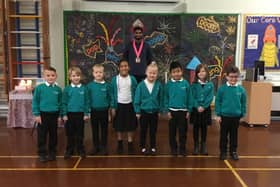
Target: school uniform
178,100
75,105
99,97
203,93
230,105
148,102
123,90
46,103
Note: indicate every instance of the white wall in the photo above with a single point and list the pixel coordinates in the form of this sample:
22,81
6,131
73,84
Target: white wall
193,6
56,38
234,6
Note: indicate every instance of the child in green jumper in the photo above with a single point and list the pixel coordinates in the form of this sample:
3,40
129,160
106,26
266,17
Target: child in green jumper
75,111
99,101
46,107
178,101
230,106
202,91
147,105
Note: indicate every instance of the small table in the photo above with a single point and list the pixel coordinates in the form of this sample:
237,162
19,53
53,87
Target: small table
20,110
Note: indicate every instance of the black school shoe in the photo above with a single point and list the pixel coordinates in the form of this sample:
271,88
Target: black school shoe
68,154
104,151
144,151
183,152
120,147
223,156
203,149
130,150
174,152
94,151
196,148
234,156
43,158
51,157
153,151
82,154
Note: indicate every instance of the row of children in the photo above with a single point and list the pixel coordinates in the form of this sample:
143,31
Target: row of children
129,101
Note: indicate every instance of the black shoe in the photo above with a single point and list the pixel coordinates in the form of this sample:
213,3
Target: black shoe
104,151
43,158
94,151
196,148
144,151
183,153
234,156
82,154
68,154
223,156
130,149
203,149
51,157
120,147
174,152
153,151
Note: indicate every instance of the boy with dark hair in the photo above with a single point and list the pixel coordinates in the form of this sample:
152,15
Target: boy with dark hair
230,106
46,107
178,101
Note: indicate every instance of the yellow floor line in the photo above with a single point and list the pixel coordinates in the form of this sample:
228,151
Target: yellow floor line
257,169
259,156
152,169
235,174
114,169
75,168
77,163
29,156
37,169
143,156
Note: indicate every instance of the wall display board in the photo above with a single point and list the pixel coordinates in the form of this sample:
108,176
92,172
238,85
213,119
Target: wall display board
262,40
95,37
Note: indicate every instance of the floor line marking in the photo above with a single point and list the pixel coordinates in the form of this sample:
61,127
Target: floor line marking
257,169
30,156
259,156
145,169
113,169
36,169
235,174
152,169
143,156
148,156
77,163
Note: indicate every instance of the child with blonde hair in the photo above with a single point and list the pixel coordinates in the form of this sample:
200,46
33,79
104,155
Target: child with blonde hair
75,112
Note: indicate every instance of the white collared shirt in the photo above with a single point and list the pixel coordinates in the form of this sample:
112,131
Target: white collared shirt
78,85
101,82
177,80
48,84
201,82
228,84
150,85
124,89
